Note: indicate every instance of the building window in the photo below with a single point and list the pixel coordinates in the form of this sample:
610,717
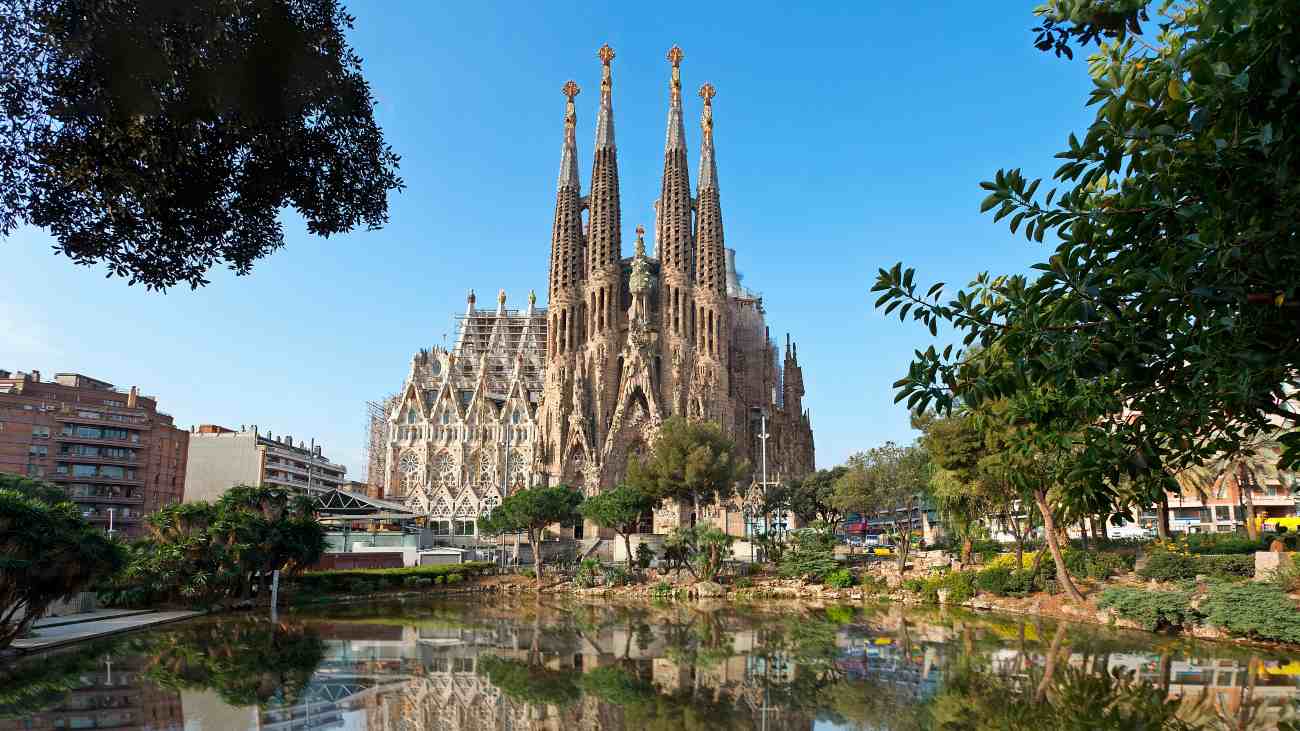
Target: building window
83,470
440,527
38,450
464,527
41,432
1223,513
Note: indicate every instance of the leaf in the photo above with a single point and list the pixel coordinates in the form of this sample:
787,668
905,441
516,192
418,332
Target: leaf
989,202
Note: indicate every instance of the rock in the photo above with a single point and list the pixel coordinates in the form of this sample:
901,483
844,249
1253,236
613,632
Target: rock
943,596
709,589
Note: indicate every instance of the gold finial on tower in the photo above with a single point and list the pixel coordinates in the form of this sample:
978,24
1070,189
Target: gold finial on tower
640,240
707,92
570,90
675,57
606,55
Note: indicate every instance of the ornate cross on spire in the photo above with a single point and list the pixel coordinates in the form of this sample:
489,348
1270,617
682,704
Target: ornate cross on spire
640,240
707,92
606,55
675,57
570,90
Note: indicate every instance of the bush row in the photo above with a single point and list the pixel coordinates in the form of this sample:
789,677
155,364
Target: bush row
1246,609
362,581
1171,566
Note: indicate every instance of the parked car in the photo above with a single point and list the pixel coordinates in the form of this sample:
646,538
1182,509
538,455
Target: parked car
1129,530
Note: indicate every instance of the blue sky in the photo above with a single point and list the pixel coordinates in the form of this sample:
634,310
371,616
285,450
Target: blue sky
849,136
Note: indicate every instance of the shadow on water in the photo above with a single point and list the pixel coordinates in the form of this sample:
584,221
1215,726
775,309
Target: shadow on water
555,665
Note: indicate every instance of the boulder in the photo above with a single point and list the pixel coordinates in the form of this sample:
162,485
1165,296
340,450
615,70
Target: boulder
709,590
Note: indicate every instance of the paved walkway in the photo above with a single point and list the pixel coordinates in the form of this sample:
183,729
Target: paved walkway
88,617
65,632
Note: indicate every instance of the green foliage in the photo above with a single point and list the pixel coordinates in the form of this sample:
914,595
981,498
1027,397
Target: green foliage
529,683
48,552
710,547
663,589
889,478
1170,566
1153,610
994,580
619,509
810,555
617,686
198,142
1250,609
691,462
205,553
1223,544
247,662
588,573
347,581
811,499
455,578
644,555
615,575
530,511
30,687
1287,575
743,582
961,586
839,579
1171,289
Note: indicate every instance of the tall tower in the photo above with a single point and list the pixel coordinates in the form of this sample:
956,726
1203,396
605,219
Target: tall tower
564,321
604,288
712,342
673,228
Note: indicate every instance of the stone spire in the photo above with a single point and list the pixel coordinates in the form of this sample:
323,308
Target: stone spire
604,239
710,249
566,234
674,206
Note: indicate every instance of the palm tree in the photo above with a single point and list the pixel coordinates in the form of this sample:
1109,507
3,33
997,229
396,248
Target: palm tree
1254,462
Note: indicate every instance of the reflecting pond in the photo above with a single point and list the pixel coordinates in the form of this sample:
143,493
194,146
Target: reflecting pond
551,664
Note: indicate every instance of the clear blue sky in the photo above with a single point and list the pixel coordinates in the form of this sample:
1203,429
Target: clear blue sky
849,136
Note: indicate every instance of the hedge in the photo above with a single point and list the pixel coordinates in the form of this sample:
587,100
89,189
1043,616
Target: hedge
1255,610
362,581
1168,566
1153,610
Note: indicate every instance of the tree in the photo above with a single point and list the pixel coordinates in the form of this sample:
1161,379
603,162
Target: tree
888,479
1255,460
266,529
48,552
620,510
691,461
1166,315
960,491
811,499
163,139
529,511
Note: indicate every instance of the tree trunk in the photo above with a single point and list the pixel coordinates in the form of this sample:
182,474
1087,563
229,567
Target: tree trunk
1098,529
1162,516
1049,531
905,545
535,544
1245,487
1019,535
1083,533
1049,667
627,546
967,550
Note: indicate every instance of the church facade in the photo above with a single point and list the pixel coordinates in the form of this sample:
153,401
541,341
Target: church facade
569,394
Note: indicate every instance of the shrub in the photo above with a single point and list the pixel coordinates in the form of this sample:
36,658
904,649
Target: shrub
960,586
616,575
993,580
1169,566
915,586
345,580
840,579
454,578
1222,544
663,589
589,573
1287,575
744,582
872,584
1008,560
644,555
810,555
439,579
411,582
364,587
1253,609
1154,610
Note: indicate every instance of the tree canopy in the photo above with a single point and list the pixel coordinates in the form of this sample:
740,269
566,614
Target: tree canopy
530,511
620,509
48,552
812,498
691,461
1163,323
163,139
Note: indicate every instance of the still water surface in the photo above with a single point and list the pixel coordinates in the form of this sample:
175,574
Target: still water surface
565,667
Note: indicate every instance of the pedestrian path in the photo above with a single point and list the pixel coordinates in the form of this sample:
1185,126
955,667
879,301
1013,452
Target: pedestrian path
49,636
94,616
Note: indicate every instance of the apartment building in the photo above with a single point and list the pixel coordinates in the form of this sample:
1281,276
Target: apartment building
221,458
116,455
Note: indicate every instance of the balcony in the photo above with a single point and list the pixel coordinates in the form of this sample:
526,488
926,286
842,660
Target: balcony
74,418
95,499
97,479
74,439
120,517
96,459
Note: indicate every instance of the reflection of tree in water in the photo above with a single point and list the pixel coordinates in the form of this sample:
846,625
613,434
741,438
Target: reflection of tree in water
246,661
41,683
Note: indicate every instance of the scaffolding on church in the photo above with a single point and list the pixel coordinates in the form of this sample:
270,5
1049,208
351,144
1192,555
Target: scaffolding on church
374,450
501,334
